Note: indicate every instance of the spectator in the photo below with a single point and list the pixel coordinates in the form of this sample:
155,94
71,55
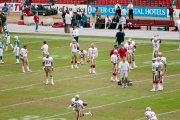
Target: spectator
114,21
28,3
63,16
118,11
130,8
78,19
74,19
117,4
120,37
123,12
174,4
83,20
68,22
5,10
122,21
122,51
36,20
161,5
98,18
3,20
22,4
74,8
108,21
26,9
171,10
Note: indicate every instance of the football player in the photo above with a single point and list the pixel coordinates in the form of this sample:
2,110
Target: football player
48,67
129,48
1,50
114,61
24,58
7,38
78,104
160,72
82,56
150,114
134,49
74,46
163,60
179,48
112,51
156,44
154,71
93,52
16,48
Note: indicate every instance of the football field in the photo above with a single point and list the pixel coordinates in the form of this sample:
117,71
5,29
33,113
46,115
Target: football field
25,96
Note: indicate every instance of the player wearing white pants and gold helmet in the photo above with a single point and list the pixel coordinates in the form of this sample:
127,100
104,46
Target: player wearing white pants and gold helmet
1,50
150,114
160,72
7,38
114,61
74,45
156,41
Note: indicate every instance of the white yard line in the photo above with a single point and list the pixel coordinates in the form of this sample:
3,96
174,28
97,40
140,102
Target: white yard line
73,93
116,103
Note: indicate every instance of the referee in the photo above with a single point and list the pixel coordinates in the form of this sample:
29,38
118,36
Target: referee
123,68
130,8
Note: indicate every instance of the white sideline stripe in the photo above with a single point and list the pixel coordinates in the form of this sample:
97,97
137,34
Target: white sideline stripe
74,93
160,114
114,103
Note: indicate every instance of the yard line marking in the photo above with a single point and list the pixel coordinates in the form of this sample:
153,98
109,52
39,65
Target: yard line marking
152,52
73,93
115,103
160,114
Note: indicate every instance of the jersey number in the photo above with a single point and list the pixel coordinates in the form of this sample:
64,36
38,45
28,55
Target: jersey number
75,105
129,47
47,61
74,47
93,51
155,45
153,115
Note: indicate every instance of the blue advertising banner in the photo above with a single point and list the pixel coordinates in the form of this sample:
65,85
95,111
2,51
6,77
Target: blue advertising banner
137,10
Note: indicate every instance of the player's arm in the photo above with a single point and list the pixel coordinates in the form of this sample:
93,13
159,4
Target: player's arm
71,45
70,106
165,67
42,46
134,48
119,67
77,44
52,65
128,68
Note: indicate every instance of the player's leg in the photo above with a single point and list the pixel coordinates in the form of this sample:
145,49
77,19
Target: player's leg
115,72
84,59
91,65
1,54
154,81
77,115
130,60
47,70
8,39
122,77
161,79
72,57
155,54
27,65
17,55
75,55
94,63
50,72
133,59
23,66
6,43
126,76
158,81
113,67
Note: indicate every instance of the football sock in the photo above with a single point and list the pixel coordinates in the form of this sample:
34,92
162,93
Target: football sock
83,114
6,46
133,63
23,68
52,80
11,45
18,60
46,79
27,68
71,62
76,63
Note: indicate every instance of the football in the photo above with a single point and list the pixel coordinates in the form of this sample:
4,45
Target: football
85,103
88,60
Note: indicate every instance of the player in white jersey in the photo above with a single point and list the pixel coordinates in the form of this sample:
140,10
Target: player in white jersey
179,48
73,47
134,49
48,67
160,72
156,41
129,48
1,50
150,114
163,60
24,58
78,104
93,52
154,71
82,56
114,61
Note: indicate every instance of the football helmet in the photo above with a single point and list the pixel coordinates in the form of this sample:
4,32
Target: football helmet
129,42
158,59
160,54
74,41
155,39
5,27
153,60
77,97
47,55
130,39
92,45
115,51
16,38
148,109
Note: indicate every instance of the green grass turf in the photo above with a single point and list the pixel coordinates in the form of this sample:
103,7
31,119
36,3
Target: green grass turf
25,95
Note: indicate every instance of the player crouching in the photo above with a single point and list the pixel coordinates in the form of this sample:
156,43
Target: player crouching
150,114
1,50
93,51
48,67
24,58
114,61
74,45
16,48
82,56
78,104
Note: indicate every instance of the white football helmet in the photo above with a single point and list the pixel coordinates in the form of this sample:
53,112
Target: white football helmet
77,97
153,60
130,39
5,27
74,41
129,42
160,54
92,45
47,55
158,59
16,38
115,51
148,109
155,39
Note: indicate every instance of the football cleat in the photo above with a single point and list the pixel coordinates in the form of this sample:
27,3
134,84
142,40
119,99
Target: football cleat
17,63
117,80
94,72
24,71
135,66
153,90
90,113
72,67
29,71
89,70
131,68
112,80
52,83
76,67
126,86
122,86
46,83
2,62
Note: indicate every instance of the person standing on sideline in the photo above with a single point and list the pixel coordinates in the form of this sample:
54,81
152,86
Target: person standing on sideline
120,37
117,4
123,68
171,10
108,21
123,12
114,61
122,21
24,58
74,9
44,48
75,34
83,20
3,20
118,11
63,16
130,8
78,19
5,10
68,22
112,51
73,47
36,20
122,51
74,19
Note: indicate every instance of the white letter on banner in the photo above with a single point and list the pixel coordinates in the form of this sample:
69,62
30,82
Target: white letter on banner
104,10
163,10
89,10
141,11
146,11
111,10
159,12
